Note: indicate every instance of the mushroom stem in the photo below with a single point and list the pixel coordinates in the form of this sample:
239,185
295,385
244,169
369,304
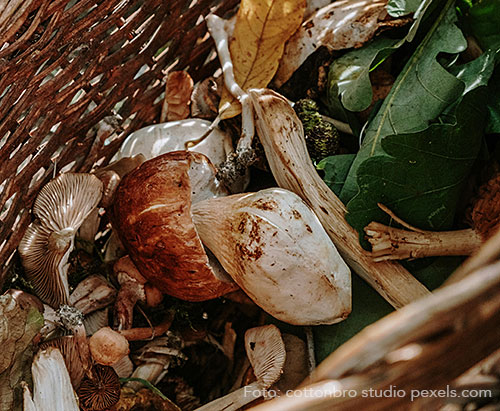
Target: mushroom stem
218,30
146,333
282,136
236,163
389,243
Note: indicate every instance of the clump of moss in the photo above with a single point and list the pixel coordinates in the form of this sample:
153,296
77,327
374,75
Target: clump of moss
322,138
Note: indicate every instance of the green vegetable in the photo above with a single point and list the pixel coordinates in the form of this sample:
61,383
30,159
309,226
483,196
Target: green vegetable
336,169
348,76
322,138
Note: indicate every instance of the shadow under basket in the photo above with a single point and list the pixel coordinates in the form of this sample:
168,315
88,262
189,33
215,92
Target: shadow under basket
78,76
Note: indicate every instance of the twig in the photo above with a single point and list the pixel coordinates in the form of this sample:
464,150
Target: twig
389,243
489,252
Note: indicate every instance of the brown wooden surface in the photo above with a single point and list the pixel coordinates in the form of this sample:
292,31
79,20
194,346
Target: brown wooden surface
68,64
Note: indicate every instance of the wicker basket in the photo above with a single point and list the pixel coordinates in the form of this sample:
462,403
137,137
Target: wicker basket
111,58
67,66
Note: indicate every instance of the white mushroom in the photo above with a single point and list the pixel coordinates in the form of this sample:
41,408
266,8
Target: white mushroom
52,388
275,249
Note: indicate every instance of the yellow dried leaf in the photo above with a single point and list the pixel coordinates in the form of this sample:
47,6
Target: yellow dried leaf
261,30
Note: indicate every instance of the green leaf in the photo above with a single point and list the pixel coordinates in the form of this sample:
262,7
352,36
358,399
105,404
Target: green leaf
349,75
398,8
420,93
336,169
420,176
483,20
493,105
477,72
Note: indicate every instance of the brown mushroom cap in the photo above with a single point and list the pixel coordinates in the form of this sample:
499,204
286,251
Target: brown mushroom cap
152,216
108,346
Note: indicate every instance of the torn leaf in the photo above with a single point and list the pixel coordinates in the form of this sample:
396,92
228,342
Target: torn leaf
349,78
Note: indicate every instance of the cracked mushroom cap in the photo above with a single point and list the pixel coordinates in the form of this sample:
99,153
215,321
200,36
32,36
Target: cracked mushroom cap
152,216
61,207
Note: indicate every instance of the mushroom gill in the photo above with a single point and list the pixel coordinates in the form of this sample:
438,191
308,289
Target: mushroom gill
60,208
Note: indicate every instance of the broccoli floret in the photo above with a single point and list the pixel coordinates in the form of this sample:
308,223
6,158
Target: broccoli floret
322,138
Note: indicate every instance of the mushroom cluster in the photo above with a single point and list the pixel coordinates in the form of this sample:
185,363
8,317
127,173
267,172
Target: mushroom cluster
181,226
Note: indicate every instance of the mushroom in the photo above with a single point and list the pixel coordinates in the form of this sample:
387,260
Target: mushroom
90,297
69,350
133,288
91,294
100,392
274,247
52,388
108,346
158,139
266,352
61,207
152,217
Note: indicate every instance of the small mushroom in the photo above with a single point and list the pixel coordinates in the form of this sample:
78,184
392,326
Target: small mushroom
108,346
274,247
133,288
60,208
266,352
100,392
155,358
92,294
152,217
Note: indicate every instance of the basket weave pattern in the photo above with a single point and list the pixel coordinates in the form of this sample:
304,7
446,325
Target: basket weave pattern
66,65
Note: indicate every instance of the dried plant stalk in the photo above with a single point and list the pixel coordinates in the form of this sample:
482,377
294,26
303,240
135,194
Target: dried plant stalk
282,136
389,243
